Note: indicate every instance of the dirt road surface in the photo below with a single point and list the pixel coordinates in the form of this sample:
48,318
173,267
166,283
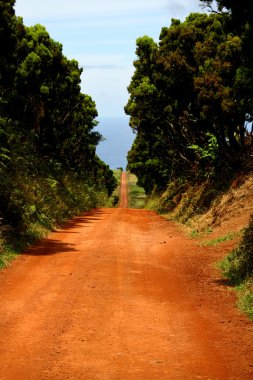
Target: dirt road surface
123,191
120,294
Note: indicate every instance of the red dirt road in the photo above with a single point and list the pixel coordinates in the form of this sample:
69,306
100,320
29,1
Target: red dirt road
123,191
120,294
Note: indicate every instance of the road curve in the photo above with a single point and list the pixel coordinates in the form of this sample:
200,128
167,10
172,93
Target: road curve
120,294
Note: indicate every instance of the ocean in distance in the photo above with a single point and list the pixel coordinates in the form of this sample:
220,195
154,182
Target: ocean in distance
118,140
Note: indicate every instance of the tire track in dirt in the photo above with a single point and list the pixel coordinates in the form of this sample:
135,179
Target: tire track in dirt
120,294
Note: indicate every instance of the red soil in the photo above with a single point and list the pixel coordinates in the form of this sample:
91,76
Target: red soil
121,294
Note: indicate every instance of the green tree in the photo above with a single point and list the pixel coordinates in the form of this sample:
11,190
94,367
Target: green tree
239,20
49,169
8,43
183,91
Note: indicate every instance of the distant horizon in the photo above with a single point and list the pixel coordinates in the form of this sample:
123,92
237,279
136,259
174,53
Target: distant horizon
118,139
112,116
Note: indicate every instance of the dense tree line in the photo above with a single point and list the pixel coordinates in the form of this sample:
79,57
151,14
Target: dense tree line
191,97
191,107
47,137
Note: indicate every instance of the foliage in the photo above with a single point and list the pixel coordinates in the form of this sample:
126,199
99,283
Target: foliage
191,98
182,201
245,301
187,103
136,194
49,169
238,266
115,196
221,239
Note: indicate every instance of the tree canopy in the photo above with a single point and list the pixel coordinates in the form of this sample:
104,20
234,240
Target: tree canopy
190,97
47,125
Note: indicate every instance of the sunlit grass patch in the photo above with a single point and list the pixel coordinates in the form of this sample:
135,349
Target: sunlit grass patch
228,237
7,254
136,194
245,301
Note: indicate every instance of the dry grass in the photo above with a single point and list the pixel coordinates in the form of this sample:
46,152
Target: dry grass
230,210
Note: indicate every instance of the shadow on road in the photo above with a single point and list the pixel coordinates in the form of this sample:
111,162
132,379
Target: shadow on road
80,220
55,245
47,247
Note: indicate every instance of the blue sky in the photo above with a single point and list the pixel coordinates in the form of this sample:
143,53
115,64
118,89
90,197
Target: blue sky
101,35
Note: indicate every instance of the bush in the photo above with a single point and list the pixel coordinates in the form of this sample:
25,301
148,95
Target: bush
238,266
35,202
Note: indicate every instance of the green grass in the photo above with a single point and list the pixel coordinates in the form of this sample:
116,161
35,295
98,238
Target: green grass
7,254
230,267
114,198
221,239
237,267
8,251
117,174
136,194
152,203
245,297
194,234
39,206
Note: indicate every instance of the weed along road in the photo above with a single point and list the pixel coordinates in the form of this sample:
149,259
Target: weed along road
120,294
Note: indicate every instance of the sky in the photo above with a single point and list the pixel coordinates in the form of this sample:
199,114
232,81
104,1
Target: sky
101,35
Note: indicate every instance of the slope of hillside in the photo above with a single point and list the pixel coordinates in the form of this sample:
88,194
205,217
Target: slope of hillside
225,227
230,212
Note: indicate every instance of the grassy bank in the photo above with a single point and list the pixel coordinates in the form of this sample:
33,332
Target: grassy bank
202,209
37,206
238,268
136,194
